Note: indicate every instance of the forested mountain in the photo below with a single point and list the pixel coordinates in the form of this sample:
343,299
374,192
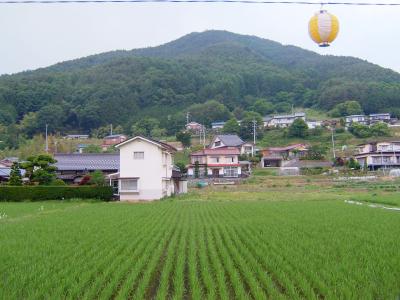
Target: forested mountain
241,73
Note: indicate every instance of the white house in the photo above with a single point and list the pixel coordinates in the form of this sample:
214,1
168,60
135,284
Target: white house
313,124
376,118
217,125
361,119
283,120
146,170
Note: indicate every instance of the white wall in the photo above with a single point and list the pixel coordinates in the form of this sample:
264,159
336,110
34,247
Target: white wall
151,170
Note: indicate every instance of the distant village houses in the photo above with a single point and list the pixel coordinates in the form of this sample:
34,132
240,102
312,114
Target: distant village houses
112,140
217,125
283,121
369,120
76,137
282,156
194,127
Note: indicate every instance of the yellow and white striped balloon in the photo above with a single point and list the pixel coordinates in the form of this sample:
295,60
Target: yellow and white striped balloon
323,28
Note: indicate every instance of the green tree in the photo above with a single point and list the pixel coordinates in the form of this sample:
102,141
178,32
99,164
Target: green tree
15,175
104,131
208,112
247,126
145,127
182,167
380,129
196,170
29,124
316,152
353,164
97,178
360,130
263,107
231,126
53,116
185,138
346,108
92,149
298,128
40,169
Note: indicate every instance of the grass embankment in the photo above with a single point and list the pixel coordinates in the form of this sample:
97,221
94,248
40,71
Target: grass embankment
271,237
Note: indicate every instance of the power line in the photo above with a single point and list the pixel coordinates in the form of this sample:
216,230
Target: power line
196,1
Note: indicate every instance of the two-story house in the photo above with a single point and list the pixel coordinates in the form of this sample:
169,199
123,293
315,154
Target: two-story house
217,162
378,155
376,118
146,170
283,121
231,141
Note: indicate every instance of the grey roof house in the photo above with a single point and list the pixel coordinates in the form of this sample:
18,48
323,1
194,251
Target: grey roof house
72,167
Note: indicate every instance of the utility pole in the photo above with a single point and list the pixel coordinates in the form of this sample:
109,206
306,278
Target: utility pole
203,135
187,117
254,136
333,143
47,141
111,129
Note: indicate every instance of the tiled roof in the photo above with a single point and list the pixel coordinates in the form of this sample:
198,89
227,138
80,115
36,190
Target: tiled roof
90,162
114,136
290,147
217,151
5,172
230,140
161,144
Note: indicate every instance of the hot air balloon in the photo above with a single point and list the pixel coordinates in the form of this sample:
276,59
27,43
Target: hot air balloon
323,28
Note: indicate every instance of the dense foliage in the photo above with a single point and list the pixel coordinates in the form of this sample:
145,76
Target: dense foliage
15,175
40,193
40,169
214,75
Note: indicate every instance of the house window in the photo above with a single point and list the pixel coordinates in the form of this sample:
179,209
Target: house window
230,159
217,144
130,185
215,159
138,155
230,172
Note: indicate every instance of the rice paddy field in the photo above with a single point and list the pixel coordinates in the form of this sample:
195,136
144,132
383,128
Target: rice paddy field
268,239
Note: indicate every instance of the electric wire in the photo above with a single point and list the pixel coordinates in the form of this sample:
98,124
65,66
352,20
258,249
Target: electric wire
196,1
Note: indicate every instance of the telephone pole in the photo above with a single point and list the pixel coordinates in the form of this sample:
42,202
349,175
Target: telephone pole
111,129
333,143
254,136
47,141
187,117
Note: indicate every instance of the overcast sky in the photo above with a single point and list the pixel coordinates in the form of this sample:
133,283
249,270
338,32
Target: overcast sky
33,35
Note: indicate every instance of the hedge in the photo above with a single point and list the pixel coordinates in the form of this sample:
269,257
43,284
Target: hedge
40,193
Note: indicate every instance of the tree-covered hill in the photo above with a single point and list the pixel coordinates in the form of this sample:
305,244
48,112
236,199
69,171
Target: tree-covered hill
241,73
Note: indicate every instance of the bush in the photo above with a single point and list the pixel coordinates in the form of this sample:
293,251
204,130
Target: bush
40,193
313,171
